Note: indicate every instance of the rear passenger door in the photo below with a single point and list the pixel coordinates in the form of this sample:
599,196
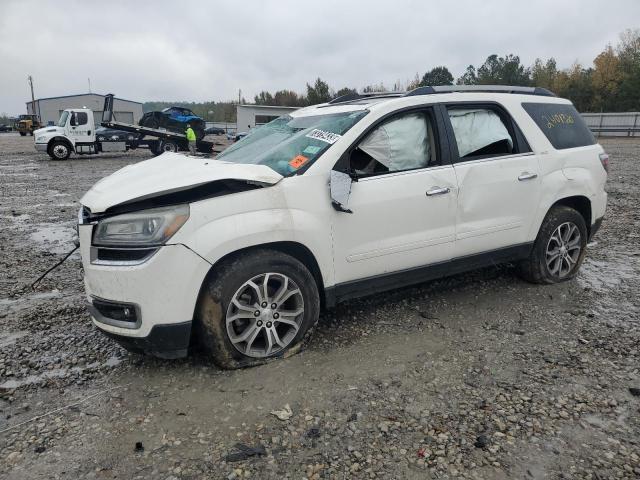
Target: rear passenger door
497,174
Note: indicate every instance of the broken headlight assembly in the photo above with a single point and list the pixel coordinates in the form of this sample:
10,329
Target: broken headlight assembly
143,229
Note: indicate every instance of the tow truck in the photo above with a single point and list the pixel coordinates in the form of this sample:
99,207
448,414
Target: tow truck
76,133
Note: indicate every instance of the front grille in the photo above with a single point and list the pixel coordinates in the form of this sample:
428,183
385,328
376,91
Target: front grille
124,255
120,256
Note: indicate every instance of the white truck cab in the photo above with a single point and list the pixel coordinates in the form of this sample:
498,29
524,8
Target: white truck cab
75,132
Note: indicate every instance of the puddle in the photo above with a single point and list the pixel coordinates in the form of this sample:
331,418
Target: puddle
113,361
10,338
20,303
31,379
54,237
56,373
26,166
612,279
603,275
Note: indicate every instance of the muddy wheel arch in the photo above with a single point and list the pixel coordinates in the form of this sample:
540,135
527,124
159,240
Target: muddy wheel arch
209,325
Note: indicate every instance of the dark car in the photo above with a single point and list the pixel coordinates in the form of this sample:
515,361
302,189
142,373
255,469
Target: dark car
112,135
240,136
5,128
174,119
214,131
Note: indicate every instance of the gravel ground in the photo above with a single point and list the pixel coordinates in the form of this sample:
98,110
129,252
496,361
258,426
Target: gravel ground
476,376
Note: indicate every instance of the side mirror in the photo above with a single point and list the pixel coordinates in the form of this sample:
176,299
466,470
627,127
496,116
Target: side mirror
340,188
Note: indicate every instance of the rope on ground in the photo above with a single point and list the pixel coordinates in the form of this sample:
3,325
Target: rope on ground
33,285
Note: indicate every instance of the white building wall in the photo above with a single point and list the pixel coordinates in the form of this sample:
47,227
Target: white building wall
246,115
50,109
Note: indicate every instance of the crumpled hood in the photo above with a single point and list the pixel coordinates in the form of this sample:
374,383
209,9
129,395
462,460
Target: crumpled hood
168,173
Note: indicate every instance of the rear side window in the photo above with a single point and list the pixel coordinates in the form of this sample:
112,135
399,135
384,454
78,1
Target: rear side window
561,124
480,133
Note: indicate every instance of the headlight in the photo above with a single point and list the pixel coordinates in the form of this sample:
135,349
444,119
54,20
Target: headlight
41,139
145,228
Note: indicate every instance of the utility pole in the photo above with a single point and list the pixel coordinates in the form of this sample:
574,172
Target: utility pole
239,95
89,80
33,98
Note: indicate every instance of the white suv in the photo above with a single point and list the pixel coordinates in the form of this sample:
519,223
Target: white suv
332,202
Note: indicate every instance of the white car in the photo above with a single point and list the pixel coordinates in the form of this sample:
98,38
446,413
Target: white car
366,193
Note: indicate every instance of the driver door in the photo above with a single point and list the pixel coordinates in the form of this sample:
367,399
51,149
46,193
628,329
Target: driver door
403,201
78,129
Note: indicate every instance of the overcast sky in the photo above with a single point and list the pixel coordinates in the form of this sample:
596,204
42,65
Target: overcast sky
195,50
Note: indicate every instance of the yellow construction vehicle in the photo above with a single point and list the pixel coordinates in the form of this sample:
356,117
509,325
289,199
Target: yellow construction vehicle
26,124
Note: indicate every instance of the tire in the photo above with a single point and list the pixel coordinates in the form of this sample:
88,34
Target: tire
59,150
236,337
559,248
22,134
169,146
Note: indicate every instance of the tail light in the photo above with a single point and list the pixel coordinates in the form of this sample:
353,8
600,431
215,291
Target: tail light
604,160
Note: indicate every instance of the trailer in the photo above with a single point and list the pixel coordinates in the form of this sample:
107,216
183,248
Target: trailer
76,133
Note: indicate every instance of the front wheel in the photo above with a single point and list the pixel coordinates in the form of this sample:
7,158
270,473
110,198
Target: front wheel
22,134
259,306
559,248
59,151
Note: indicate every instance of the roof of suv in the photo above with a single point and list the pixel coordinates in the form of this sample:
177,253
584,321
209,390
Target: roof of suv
356,102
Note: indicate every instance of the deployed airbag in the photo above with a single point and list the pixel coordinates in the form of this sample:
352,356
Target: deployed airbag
400,144
475,129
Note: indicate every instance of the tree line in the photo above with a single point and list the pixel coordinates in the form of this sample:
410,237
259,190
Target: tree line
611,83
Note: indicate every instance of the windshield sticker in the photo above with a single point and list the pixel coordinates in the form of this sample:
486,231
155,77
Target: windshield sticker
323,136
312,150
297,161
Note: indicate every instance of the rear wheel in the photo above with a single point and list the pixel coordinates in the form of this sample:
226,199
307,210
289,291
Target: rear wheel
169,146
22,134
260,306
559,248
59,150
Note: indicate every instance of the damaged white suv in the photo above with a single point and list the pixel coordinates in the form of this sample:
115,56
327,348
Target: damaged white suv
335,201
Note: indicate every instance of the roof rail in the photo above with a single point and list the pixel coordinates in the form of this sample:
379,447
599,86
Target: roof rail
349,97
481,88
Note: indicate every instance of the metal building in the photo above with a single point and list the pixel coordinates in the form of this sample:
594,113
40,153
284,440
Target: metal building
252,116
49,109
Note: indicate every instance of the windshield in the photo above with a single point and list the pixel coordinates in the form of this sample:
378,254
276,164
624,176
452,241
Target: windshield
63,119
287,143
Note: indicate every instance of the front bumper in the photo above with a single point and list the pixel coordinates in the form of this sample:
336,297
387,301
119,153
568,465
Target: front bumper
41,147
163,341
163,289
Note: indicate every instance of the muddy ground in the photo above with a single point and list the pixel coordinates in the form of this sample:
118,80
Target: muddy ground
478,376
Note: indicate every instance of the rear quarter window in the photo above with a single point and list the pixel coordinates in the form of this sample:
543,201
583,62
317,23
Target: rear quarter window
561,124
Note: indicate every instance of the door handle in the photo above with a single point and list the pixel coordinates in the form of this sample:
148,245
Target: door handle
438,191
527,176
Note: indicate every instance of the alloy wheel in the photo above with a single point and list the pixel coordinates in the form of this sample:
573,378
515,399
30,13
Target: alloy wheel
563,249
264,315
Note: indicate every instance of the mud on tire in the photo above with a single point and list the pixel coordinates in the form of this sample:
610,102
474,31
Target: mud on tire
540,266
224,287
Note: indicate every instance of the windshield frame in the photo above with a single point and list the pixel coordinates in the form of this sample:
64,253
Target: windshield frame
295,143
